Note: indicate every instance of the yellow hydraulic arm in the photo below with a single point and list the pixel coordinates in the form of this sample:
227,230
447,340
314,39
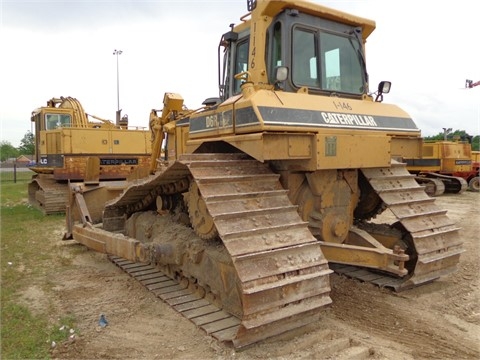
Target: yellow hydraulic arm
172,105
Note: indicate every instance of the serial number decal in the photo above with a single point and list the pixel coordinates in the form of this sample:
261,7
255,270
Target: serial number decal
218,120
340,105
349,119
462,162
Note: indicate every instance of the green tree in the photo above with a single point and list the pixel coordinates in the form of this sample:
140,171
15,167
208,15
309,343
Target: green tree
7,150
476,143
457,134
27,144
451,135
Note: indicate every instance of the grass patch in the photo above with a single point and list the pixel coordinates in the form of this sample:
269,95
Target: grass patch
28,254
27,336
24,336
10,176
60,332
13,193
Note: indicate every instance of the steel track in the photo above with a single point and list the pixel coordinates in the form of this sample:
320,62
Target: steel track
186,301
273,253
437,244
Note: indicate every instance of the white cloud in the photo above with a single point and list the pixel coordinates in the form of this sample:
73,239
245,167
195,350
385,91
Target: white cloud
64,48
166,50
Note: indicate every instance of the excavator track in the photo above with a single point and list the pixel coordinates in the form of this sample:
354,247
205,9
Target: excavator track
451,184
433,187
474,184
47,195
281,273
434,237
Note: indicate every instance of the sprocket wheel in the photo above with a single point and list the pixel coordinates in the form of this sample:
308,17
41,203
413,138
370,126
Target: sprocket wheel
202,221
370,204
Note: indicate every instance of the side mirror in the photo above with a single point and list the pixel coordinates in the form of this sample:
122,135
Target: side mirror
281,73
383,88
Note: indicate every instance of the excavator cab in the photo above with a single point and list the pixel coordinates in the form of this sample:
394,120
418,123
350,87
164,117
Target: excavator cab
47,120
55,121
51,119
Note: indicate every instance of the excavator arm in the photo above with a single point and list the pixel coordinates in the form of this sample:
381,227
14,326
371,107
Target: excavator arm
80,117
172,106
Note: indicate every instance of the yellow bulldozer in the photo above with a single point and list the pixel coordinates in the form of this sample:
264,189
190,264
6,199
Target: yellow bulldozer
445,167
266,190
71,145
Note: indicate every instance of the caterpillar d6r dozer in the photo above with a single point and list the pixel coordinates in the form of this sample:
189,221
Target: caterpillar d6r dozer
71,147
266,186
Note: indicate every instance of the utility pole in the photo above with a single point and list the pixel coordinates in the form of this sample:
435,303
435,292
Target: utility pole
117,53
446,132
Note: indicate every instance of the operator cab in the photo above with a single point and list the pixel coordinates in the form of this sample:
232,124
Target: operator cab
302,51
55,121
47,120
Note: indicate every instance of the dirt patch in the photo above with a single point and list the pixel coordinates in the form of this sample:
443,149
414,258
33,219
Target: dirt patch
440,320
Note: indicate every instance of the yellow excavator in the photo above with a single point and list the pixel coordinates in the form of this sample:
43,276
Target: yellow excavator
72,145
259,195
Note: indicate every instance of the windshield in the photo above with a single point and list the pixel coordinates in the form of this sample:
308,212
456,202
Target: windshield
55,121
327,61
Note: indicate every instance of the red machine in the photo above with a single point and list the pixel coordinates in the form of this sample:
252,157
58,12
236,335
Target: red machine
470,84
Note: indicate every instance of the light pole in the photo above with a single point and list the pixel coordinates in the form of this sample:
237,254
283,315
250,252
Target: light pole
446,132
118,52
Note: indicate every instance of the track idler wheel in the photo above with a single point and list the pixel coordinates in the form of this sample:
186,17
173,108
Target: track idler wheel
406,244
202,221
474,184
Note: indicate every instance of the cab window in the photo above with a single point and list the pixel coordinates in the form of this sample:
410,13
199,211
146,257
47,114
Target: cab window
304,72
341,66
276,58
55,121
241,62
327,61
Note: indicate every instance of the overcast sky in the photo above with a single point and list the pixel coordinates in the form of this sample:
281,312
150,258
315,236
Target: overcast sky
65,48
